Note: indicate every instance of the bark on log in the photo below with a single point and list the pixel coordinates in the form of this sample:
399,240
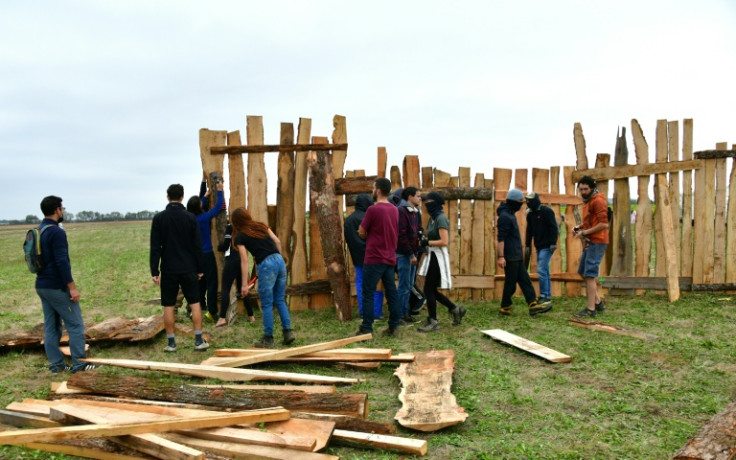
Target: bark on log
354,404
714,154
715,441
108,328
329,217
144,330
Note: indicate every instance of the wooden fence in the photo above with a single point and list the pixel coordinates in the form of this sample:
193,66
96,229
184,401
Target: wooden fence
311,167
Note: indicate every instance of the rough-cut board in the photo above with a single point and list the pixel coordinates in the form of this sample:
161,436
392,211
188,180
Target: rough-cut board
346,354
427,402
466,234
555,265
719,249
715,441
235,450
108,328
214,372
686,247
145,330
528,346
380,441
20,419
345,422
285,193
85,449
304,388
573,248
644,169
669,241
298,272
610,328
620,229
236,173
317,268
643,223
248,436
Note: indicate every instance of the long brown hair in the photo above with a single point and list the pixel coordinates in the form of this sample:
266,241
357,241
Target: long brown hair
243,223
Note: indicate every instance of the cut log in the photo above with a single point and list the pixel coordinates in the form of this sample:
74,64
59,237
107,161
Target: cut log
231,449
354,404
305,288
295,351
93,431
144,330
528,346
610,328
345,422
66,351
106,329
715,441
427,402
380,441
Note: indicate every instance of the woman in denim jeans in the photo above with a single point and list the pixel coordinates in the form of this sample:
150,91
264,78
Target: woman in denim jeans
255,237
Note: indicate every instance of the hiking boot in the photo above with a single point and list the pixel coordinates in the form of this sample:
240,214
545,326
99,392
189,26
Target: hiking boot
457,315
505,311
87,367
288,336
265,342
430,326
201,346
544,301
585,312
537,309
170,348
391,332
600,307
209,317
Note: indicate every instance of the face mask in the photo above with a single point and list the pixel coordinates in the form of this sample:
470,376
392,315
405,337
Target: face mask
434,208
514,205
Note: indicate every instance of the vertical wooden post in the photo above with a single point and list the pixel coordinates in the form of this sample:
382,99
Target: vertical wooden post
603,160
540,184
555,264
620,229
520,182
454,243
211,164
285,194
427,184
257,186
581,163
411,171
339,136
382,161
466,232
573,247
317,269
719,242
395,177
478,242
643,224
502,182
708,216
324,209
236,174
660,146
673,150
299,270
663,209
442,179
489,264
731,226
686,246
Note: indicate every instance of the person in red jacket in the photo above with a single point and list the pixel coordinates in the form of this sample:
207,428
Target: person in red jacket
594,234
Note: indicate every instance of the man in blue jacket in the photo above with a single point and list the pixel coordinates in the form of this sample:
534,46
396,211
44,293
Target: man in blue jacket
58,292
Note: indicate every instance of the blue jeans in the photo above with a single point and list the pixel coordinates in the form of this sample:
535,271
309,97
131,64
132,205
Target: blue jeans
272,292
543,257
377,297
371,274
57,307
407,272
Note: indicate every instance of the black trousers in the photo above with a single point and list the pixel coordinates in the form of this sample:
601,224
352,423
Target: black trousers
208,285
516,273
431,282
231,272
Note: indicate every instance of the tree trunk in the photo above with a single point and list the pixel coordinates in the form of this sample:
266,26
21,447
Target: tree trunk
715,441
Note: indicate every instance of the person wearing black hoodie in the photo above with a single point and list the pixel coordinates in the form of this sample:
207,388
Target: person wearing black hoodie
511,258
541,225
356,247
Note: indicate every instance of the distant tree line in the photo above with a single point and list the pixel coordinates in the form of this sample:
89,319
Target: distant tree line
87,216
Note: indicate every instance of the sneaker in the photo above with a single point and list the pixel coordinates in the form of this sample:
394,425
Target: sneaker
457,315
537,309
409,319
170,348
209,317
87,367
362,331
600,307
59,370
430,326
265,342
288,336
506,311
544,301
201,346
391,332
585,312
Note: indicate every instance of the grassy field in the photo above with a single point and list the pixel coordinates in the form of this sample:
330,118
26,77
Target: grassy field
619,398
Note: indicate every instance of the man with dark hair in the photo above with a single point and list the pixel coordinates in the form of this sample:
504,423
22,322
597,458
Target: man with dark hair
510,257
380,229
594,235
58,292
176,245
541,226
407,251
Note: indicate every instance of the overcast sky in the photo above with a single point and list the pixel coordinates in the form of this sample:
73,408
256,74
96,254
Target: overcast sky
101,101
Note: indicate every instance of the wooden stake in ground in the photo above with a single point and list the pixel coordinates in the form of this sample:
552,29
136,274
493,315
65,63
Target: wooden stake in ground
610,328
715,441
527,345
427,402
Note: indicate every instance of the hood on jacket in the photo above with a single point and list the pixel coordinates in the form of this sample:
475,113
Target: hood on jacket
363,202
504,207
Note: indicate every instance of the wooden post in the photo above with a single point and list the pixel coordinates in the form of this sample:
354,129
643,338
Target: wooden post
620,231
478,242
489,236
411,171
555,264
719,242
454,243
673,150
395,177
427,184
299,270
665,213
324,208
686,246
643,224
214,164
540,184
257,186
236,173
573,247
466,232
382,161
603,160
317,269
708,217
339,136
731,226
285,194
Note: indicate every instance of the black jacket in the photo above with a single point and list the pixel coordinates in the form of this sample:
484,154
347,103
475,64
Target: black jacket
356,244
508,232
542,226
175,242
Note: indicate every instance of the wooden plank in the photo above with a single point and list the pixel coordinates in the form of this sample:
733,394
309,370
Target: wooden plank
673,151
237,450
303,388
573,247
602,160
283,147
477,240
427,404
620,229
489,236
295,351
715,440
520,182
707,213
236,173
564,276
581,157
397,358
643,222
427,184
545,198
451,211
212,165
624,172
474,281
299,268
528,346
663,210
317,267
285,194
20,419
249,436
719,242
645,282
215,372
610,328
699,224
555,264
540,183
103,430
731,227
466,234
381,442
339,136
382,158
411,171
257,179
502,180
395,177
686,244
146,329
80,451
345,354
344,422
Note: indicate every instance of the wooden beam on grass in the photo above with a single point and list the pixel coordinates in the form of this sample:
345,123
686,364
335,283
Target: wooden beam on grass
624,172
610,328
81,451
304,388
715,440
255,437
20,419
283,147
528,346
94,431
238,450
380,442
295,351
215,372
345,422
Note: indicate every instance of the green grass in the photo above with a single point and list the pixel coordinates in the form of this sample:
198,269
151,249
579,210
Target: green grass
619,398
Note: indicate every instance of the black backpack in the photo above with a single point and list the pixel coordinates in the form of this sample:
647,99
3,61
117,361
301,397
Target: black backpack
32,249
